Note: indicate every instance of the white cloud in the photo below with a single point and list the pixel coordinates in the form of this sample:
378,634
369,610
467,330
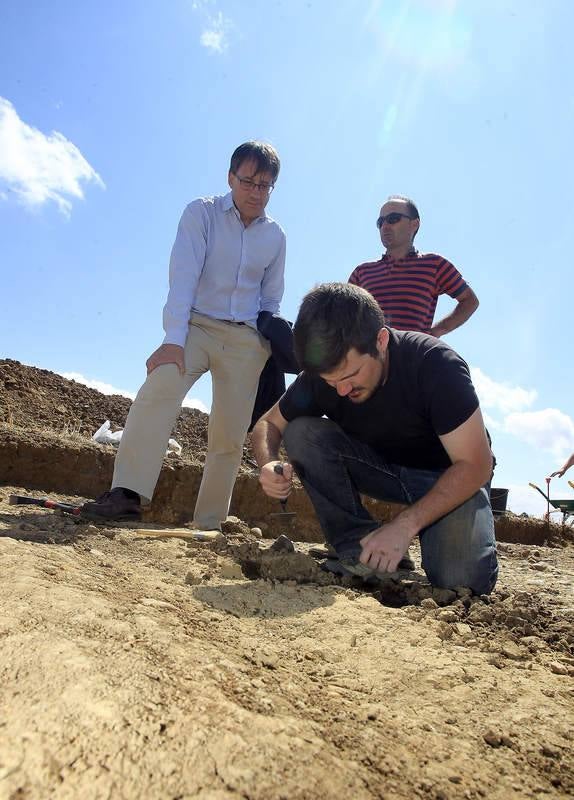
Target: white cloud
522,499
548,429
193,402
213,40
216,26
491,423
107,388
99,386
38,168
501,396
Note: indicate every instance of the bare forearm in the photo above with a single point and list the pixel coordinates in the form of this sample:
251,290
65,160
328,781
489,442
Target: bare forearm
456,318
265,440
454,487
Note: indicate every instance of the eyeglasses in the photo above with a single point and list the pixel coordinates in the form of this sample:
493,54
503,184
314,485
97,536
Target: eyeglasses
249,185
392,218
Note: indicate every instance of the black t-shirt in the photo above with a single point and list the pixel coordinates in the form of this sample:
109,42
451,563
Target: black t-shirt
428,393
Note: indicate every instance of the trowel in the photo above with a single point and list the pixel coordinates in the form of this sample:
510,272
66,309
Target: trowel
283,518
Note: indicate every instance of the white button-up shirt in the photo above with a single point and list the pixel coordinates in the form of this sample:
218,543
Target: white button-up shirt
222,269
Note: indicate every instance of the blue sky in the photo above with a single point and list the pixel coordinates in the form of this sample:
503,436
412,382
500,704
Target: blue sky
113,116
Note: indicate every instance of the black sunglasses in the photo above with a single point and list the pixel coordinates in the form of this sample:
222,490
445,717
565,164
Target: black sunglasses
392,218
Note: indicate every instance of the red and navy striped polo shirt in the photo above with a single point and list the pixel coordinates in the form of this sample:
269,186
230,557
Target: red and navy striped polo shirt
408,289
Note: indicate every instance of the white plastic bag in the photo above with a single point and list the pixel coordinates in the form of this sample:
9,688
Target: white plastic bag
104,435
174,447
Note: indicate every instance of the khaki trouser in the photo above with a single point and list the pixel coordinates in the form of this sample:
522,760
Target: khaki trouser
235,355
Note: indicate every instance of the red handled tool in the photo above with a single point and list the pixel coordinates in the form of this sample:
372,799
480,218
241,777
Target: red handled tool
44,502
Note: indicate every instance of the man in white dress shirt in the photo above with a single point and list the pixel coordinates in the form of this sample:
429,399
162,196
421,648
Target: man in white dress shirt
227,265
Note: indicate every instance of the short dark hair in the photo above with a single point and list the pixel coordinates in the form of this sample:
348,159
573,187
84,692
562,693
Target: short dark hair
411,207
332,319
263,154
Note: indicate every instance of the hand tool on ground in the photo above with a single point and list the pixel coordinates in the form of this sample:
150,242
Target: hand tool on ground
283,517
178,533
44,502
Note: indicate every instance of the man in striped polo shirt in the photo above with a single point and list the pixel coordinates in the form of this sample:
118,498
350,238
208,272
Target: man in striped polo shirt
405,283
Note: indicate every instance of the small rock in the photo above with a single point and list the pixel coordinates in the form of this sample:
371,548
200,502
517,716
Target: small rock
231,570
428,602
283,544
443,596
444,630
462,629
151,601
493,739
550,752
540,566
513,651
257,532
191,579
558,669
447,615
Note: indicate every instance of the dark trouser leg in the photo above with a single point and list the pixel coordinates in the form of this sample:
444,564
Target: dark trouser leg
334,469
458,549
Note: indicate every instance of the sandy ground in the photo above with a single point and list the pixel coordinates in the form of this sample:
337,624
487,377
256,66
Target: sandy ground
138,668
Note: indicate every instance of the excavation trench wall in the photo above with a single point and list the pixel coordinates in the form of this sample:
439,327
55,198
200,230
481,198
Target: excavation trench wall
45,462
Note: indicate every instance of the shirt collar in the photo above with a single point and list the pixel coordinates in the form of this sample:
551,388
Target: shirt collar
413,252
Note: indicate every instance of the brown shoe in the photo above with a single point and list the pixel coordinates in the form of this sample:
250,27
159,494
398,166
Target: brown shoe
116,504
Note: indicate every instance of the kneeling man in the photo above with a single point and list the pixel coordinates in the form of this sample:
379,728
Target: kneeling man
392,415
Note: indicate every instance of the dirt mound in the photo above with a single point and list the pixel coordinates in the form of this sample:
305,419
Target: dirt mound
37,399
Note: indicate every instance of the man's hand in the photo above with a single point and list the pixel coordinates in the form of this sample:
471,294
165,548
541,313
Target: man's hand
437,331
167,354
559,473
384,547
275,484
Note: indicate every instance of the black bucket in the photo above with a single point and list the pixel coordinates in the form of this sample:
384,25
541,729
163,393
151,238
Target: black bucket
498,500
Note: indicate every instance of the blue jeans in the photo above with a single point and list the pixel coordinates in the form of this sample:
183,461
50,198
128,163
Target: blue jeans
458,549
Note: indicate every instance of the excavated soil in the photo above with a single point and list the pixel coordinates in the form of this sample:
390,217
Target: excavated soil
134,667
